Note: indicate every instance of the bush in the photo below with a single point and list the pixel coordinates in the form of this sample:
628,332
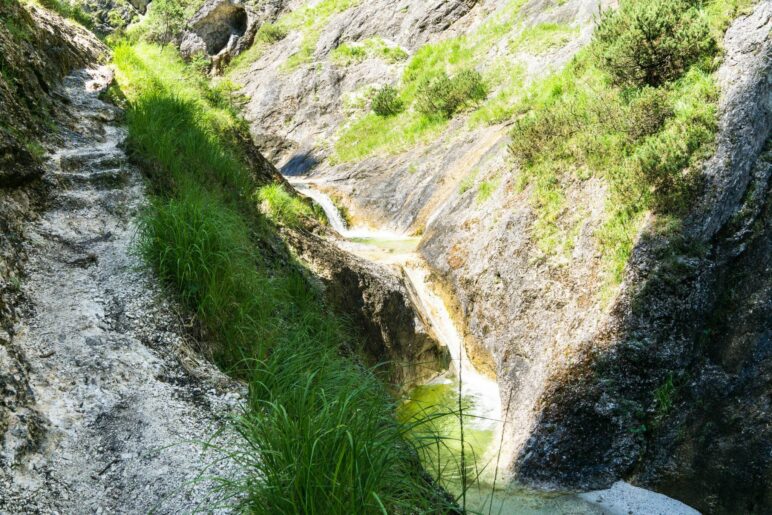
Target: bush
386,101
444,96
651,42
648,111
164,20
271,33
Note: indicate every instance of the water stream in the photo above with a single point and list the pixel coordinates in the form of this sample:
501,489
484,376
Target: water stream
480,402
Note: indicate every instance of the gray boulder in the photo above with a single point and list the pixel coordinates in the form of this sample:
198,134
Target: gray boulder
221,29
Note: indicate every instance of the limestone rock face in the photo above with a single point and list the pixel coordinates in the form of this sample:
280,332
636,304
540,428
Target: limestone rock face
34,56
377,301
692,328
294,111
140,5
221,29
569,364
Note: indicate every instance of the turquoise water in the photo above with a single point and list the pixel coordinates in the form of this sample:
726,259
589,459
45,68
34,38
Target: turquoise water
391,245
434,409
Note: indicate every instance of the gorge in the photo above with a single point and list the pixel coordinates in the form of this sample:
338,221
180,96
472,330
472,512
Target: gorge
337,256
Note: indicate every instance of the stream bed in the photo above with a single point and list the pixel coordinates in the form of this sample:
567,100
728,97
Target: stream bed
457,416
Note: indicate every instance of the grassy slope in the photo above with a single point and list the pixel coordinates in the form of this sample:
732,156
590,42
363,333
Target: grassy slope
594,138
324,426
575,124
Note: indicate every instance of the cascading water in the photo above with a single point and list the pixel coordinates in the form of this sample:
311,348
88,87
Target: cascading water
483,392
478,396
333,215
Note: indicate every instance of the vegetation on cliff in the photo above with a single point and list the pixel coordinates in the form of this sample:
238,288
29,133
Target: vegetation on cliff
638,109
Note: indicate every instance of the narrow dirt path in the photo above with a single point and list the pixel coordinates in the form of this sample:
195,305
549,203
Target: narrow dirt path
119,396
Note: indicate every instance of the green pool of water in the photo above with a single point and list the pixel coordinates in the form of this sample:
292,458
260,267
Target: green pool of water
433,412
398,246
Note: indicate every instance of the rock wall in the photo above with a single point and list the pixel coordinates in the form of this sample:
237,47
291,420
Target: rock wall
675,384
376,300
690,327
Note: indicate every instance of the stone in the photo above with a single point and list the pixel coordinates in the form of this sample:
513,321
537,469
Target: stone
219,28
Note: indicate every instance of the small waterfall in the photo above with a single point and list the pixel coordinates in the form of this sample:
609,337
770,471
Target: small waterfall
333,215
485,412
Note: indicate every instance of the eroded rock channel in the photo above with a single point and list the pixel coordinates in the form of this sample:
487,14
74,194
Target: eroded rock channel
115,396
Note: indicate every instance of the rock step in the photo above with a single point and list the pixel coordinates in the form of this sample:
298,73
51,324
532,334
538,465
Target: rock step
83,200
111,178
99,159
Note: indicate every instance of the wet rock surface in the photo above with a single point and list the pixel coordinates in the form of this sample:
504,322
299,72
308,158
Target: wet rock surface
376,300
106,396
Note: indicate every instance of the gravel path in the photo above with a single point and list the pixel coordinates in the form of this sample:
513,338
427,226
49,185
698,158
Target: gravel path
118,397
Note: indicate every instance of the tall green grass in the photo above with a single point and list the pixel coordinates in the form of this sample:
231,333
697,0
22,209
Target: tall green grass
318,434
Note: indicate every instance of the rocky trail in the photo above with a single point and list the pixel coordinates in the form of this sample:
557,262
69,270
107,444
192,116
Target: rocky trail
117,397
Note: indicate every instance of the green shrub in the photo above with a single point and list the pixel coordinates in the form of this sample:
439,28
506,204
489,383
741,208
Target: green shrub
651,42
602,117
164,20
271,33
386,101
648,110
444,96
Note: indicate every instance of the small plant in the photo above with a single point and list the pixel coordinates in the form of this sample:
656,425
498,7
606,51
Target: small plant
348,53
36,149
283,207
664,399
485,190
386,101
165,19
444,96
271,33
651,42
200,62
